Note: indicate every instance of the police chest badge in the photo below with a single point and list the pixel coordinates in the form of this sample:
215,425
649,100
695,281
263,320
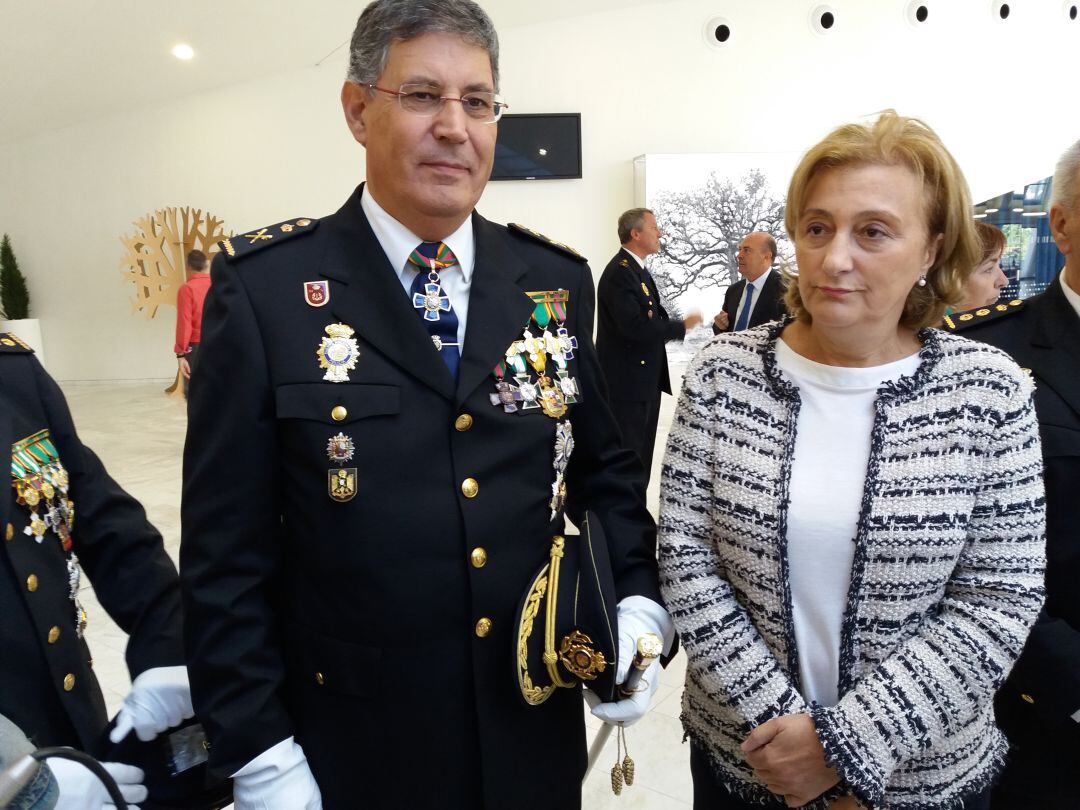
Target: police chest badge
338,353
341,484
316,293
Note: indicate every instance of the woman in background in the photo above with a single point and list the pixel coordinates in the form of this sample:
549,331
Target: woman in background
987,280
851,527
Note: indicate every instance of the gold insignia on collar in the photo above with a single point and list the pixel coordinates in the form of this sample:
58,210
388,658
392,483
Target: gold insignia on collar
287,227
260,234
225,243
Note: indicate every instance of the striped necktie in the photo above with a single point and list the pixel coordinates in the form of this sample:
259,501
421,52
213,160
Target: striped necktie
432,303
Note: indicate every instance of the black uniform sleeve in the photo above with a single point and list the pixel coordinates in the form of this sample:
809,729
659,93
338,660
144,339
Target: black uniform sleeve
121,553
230,551
620,294
604,478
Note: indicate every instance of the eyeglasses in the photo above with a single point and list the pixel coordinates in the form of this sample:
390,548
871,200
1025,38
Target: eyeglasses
423,99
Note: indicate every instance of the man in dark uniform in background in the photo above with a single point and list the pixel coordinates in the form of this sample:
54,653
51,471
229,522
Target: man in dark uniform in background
632,330
393,406
1038,707
47,684
757,297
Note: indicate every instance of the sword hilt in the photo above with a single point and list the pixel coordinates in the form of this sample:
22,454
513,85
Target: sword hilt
649,648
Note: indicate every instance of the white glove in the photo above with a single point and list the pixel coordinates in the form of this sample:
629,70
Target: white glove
80,789
278,779
638,615
160,698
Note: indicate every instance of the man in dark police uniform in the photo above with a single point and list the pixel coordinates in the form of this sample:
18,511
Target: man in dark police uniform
47,683
394,405
1038,707
632,331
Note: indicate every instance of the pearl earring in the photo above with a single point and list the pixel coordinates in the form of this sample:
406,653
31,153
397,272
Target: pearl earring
922,281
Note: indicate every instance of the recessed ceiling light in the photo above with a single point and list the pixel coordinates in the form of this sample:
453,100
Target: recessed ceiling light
183,51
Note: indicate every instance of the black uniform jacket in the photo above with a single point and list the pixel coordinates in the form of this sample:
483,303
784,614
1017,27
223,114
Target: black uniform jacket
632,328
769,306
358,626
1043,336
47,683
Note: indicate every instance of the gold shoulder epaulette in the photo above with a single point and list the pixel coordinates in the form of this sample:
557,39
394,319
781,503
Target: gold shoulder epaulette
12,344
236,247
545,240
959,321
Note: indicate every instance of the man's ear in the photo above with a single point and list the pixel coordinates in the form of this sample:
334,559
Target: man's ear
354,103
1058,219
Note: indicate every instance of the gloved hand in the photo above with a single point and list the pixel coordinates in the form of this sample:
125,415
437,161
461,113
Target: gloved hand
278,779
638,615
160,698
80,789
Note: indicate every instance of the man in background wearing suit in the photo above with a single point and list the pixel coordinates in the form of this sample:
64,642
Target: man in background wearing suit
1038,707
758,297
632,328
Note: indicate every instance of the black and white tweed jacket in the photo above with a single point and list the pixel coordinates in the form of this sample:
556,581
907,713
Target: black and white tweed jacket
946,580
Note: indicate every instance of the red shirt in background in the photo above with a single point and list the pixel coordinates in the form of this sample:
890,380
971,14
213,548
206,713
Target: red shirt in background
189,306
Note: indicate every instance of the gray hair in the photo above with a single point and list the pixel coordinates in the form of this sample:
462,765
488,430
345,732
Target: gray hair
1066,186
632,220
385,22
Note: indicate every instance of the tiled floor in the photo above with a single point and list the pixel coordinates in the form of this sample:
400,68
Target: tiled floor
139,434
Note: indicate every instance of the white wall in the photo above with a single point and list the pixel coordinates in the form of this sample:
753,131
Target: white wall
643,80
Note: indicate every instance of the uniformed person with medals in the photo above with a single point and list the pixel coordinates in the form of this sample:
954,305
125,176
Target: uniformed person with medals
63,516
396,407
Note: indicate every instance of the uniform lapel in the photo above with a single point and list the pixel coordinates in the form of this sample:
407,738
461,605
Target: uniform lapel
1057,340
372,301
499,310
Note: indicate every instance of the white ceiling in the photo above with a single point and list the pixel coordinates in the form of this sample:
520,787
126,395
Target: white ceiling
66,61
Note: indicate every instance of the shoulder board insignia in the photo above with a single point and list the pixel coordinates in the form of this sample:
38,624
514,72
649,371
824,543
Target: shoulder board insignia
545,240
624,263
959,321
11,344
241,245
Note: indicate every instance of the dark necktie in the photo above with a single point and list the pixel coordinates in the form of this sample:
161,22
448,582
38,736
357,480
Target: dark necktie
432,303
744,313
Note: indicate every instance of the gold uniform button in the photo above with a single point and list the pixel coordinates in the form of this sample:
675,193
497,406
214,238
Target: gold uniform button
642,362
1027,698
483,627
463,423
478,557
469,488
69,682
319,679
54,634
339,413
9,532
31,583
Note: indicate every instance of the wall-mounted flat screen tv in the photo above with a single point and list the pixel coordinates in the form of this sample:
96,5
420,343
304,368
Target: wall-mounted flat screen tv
538,147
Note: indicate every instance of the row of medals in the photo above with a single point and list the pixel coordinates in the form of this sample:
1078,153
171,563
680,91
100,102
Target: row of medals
339,351
45,493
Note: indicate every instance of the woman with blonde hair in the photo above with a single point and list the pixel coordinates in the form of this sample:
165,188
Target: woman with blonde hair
987,280
851,526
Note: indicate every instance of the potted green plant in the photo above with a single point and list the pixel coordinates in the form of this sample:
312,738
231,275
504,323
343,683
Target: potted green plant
15,301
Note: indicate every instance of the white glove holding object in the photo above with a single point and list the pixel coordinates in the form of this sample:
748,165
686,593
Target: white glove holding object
160,698
80,789
638,615
278,779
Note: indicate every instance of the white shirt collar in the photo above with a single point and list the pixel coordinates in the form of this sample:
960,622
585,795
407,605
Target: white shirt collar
759,282
398,242
638,259
1071,295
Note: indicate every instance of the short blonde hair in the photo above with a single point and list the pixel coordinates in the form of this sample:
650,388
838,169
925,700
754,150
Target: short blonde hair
895,140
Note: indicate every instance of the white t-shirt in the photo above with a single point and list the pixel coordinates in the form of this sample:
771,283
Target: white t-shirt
832,448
